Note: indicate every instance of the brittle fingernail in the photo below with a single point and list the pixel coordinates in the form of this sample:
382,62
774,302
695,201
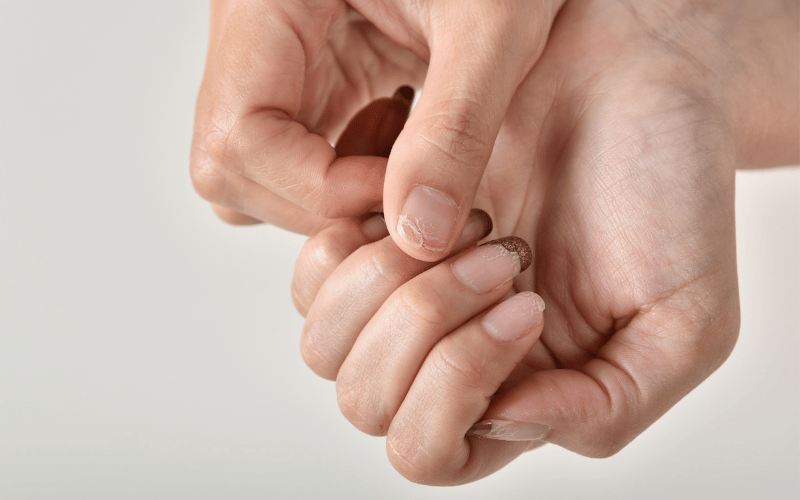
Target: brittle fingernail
492,264
427,219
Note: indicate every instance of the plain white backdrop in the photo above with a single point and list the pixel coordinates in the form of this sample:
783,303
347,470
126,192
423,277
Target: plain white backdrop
149,351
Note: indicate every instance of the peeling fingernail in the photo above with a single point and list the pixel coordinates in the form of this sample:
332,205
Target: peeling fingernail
517,246
514,317
427,219
492,264
508,430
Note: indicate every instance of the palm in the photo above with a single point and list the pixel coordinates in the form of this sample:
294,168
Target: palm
628,200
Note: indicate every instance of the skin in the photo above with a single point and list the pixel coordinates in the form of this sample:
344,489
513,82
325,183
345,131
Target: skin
612,154
615,160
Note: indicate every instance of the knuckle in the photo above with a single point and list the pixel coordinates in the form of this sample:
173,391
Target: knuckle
361,407
317,201
219,140
459,133
323,206
321,254
418,306
708,325
498,21
599,435
314,193
316,356
211,153
413,459
406,456
517,25
608,442
459,367
384,263
207,180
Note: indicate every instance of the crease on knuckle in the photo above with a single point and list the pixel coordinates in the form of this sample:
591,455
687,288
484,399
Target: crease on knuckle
361,407
211,153
459,368
387,265
207,179
325,252
313,196
460,134
319,257
418,306
607,445
408,457
415,456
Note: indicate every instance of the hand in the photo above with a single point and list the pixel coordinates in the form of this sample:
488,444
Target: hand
617,161
283,79
402,339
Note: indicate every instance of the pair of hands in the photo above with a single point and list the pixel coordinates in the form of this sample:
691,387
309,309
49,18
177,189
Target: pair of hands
606,134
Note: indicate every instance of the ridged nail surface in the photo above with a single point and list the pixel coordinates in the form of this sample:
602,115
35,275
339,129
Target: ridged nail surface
427,219
492,264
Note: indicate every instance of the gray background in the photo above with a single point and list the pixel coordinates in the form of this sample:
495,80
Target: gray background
149,351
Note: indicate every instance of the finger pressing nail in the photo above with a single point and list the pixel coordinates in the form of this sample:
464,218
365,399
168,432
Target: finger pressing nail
492,264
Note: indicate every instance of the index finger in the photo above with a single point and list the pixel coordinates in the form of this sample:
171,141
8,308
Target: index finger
265,118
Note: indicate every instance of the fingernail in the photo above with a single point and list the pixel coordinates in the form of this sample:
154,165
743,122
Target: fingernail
492,264
507,430
483,219
374,228
394,120
404,93
427,219
479,225
514,317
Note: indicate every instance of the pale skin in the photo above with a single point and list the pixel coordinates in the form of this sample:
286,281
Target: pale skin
614,158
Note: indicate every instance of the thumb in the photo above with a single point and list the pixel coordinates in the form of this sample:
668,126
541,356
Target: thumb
479,56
